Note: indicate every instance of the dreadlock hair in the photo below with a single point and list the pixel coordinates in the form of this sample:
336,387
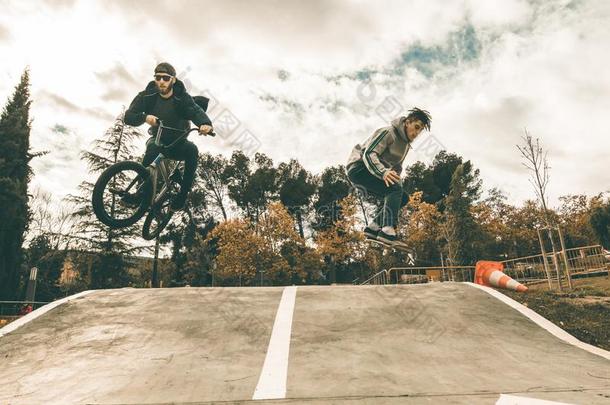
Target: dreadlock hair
422,115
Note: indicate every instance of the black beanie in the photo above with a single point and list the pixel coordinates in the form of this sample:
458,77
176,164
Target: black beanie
165,67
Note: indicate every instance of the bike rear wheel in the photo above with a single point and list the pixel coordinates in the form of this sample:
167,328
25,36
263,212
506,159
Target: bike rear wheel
158,217
122,194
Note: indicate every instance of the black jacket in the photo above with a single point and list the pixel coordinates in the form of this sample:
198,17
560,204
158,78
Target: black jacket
144,102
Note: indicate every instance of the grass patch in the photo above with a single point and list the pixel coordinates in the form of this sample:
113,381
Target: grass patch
583,312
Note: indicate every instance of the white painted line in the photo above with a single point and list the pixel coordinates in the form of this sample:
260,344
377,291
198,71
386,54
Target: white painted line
272,381
543,322
514,400
39,312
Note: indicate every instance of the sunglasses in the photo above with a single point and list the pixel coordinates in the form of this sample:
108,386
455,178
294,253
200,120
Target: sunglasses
163,77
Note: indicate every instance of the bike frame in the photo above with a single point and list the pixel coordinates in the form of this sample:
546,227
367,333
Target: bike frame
160,165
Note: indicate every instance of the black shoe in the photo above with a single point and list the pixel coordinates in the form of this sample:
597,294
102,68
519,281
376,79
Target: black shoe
393,242
370,233
178,201
176,176
385,238
133,200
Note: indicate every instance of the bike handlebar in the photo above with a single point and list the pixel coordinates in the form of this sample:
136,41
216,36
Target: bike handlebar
185,133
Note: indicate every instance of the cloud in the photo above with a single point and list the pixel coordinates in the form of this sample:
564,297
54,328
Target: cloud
4,33
60,3
117,83
287,106
461,46
57,100
60,170
54,101
118,74
283,75
60,129
509,14
290,21
308,78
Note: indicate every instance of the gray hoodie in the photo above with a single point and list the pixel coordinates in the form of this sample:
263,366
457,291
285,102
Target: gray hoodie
384,150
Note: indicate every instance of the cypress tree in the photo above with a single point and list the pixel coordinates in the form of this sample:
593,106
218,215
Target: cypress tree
15,173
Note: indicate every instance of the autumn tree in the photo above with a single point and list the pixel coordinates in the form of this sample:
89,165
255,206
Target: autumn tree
192,257
275,250
575,218
238,248
251,184
492,216
600,222
434,181
421,225
213,183
291,260
522,225
296,189
332,187
342,242
459,228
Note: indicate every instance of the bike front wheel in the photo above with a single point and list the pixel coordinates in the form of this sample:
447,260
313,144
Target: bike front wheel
158,217
122,194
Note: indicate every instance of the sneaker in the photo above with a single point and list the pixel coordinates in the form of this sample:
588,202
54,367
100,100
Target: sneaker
370,233
386,238
178,201
393,242
398,244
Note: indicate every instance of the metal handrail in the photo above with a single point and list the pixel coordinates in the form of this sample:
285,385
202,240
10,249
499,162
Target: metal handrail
551,254
430,268
24,302
444,270
529,257
585,247
383,274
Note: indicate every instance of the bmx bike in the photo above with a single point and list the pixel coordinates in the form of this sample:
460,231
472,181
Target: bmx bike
126,191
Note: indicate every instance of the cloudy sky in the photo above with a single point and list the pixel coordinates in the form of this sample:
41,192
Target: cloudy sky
308,80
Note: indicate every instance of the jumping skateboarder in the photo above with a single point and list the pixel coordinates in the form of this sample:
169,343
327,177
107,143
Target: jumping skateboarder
374,168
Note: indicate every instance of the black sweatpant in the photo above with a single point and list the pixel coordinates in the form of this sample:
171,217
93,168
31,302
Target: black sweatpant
185,151
392,197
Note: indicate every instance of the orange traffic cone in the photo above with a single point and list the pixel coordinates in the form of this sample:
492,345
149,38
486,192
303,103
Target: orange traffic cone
490,274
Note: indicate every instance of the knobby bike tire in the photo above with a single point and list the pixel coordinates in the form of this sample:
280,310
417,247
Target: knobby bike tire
97,198
146,231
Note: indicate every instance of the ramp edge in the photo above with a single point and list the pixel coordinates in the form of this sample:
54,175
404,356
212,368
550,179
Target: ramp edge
39,312
543,322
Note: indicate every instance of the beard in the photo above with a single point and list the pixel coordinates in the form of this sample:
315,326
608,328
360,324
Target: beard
166,89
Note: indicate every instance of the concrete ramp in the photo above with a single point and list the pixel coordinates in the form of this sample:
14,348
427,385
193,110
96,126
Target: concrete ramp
412,344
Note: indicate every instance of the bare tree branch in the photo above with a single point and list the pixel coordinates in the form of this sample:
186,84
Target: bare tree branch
537,163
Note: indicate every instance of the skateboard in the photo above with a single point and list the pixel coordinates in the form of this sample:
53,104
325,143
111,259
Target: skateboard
411,256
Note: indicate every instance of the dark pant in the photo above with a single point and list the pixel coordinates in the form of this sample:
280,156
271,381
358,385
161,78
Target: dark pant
185,151
393,198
